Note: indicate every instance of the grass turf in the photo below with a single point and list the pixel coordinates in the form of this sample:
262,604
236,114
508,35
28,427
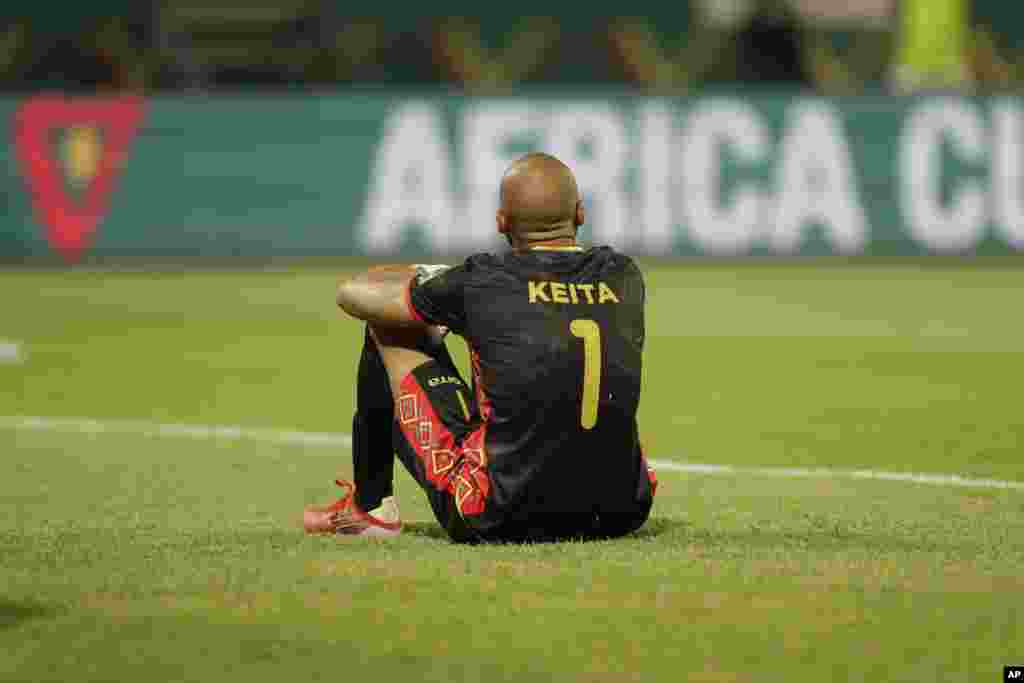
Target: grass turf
126,557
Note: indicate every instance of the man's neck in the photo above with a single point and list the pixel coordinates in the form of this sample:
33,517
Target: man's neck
558,244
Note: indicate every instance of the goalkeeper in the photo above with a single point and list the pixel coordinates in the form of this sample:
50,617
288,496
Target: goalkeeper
544,444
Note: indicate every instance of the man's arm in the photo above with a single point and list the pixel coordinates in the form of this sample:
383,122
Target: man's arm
379,296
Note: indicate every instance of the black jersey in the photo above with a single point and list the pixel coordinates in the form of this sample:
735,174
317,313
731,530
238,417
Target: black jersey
555,340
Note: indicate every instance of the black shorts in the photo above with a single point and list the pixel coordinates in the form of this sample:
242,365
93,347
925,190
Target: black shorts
440,439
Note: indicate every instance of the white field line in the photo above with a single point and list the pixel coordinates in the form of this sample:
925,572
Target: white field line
825,473
10,352
79,425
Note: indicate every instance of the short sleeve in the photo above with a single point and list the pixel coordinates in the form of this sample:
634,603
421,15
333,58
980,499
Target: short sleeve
440,299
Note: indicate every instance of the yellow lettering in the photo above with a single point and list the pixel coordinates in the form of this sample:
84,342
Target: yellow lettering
558,293
589,331
604,293
537,292
561,293
589,291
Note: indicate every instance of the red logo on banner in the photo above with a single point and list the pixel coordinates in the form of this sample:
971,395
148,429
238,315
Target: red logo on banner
70,152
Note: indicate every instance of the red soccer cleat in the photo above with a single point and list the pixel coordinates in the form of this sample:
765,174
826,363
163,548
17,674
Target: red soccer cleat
344,517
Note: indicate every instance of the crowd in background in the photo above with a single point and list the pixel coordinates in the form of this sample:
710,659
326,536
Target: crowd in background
826,46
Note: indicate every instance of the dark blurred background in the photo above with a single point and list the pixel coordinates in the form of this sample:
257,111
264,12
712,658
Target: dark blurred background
695,127
825,46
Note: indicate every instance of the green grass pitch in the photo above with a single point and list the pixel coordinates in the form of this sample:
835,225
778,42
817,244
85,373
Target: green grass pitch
139,558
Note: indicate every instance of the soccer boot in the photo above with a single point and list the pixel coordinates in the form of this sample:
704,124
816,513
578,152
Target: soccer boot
344,516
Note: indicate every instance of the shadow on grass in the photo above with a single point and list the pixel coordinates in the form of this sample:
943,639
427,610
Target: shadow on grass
13,613
655,526
424,529
676,530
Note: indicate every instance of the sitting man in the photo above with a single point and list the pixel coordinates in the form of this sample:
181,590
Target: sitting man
546,445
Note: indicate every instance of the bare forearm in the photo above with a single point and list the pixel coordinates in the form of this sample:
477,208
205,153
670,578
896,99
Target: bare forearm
378,295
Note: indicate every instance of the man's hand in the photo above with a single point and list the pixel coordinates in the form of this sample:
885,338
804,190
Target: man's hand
425,271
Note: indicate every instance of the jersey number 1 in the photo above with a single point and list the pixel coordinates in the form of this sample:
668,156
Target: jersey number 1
590,333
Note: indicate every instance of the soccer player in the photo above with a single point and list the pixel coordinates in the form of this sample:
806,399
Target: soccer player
545,445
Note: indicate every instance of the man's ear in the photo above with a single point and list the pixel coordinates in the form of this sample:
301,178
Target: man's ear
579,218
502,221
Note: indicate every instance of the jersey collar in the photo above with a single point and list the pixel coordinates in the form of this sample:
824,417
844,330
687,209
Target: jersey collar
544,248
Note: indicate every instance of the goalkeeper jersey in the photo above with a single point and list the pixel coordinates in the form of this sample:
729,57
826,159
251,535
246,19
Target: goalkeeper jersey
555,338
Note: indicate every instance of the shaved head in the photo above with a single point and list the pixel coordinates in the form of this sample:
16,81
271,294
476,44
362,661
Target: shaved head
539,200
